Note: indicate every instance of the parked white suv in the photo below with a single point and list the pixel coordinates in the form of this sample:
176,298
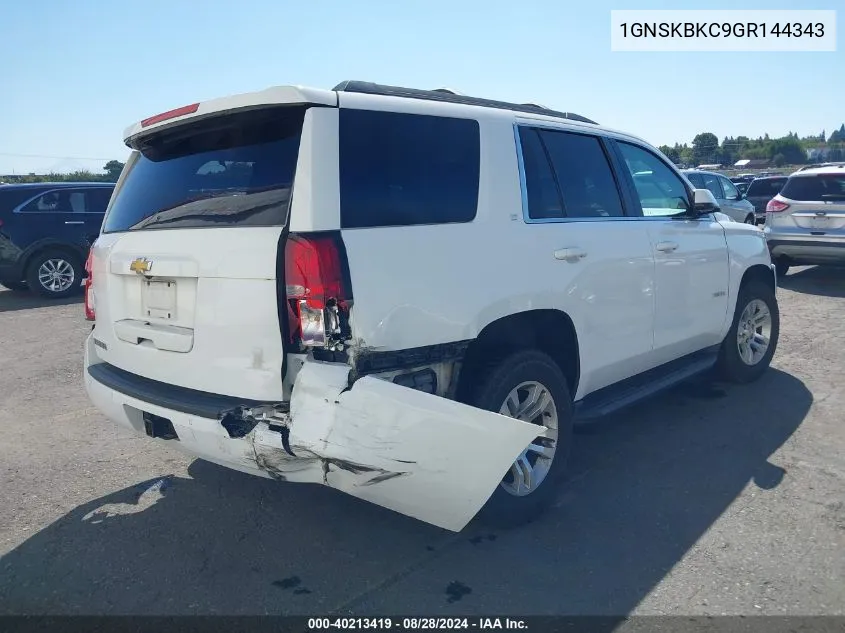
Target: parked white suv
407,295
805,222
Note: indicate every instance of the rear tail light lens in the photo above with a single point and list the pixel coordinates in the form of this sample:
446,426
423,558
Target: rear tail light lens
776,206
316,290
89,295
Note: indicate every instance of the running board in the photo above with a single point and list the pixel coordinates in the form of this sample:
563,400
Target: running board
627,392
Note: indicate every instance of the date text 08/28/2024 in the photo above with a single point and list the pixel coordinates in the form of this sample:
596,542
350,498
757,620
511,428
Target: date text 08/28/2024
416,623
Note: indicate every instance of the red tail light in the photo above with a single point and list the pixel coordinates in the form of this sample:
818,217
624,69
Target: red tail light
776,206
317,290
89,297
171,114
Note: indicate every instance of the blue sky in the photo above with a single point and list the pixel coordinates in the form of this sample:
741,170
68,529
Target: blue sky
75,74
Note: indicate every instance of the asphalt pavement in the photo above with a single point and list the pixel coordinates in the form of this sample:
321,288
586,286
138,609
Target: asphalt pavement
709,499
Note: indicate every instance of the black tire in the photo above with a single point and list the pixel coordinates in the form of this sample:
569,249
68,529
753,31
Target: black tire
504,509
16,286
730,365
751,219
781,267
34,283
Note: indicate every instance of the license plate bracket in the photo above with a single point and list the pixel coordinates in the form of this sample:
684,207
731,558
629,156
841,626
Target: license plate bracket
159,299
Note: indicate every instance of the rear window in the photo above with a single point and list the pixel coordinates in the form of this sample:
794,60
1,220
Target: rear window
405,169
815,188
233,170
768,187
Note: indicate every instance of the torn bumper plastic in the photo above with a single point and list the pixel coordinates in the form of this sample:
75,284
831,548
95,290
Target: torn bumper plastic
415,453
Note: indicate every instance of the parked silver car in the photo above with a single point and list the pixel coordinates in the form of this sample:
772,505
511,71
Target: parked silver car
731,202
805,222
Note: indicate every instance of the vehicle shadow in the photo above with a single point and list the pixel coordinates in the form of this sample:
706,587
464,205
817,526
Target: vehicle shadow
12,300
824,281
646,484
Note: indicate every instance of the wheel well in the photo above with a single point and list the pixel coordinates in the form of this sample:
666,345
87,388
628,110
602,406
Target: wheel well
549,331
76,253
761,273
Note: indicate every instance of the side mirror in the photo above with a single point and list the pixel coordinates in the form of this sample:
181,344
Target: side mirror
704,202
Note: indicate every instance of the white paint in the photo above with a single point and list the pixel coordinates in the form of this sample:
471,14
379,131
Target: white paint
277,95
691,300
417,454
441,460
225,315
633,306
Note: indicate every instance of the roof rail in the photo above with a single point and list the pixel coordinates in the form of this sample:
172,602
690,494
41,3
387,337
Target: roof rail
831,164
448,96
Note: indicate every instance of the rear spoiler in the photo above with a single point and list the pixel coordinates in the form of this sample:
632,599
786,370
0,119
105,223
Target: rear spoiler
271,96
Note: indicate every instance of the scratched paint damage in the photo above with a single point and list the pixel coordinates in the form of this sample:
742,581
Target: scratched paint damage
422,455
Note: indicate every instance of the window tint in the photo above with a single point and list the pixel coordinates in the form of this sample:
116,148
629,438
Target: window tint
583,175
815,188
541,188
696,180
660,190
730,190
766,187
11,196
57,201
98,199
404,169
230,170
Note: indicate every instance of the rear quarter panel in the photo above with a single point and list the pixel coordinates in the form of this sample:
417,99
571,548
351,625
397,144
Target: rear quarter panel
426,285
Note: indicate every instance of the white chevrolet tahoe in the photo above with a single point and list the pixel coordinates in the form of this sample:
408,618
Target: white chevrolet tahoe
408,295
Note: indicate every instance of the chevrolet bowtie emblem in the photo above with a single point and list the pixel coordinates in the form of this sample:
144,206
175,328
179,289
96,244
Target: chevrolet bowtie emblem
141,266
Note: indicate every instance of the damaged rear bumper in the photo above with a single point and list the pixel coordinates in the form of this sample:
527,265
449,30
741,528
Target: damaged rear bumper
415,453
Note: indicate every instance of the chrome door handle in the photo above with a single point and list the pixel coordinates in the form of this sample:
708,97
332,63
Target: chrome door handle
75,222
666,247
570,254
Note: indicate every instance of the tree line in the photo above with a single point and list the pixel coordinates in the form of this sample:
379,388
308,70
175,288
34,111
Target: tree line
110,173
705,149
786,150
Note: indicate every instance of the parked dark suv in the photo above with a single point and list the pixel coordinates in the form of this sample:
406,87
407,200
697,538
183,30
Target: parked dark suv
46,230
761,190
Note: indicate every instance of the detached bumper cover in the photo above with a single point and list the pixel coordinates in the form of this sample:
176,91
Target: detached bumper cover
418,454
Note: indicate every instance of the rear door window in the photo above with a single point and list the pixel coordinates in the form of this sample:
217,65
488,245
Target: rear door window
815,188
405,169
232,170
711,182
696,180
11,196
56,201
583,174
